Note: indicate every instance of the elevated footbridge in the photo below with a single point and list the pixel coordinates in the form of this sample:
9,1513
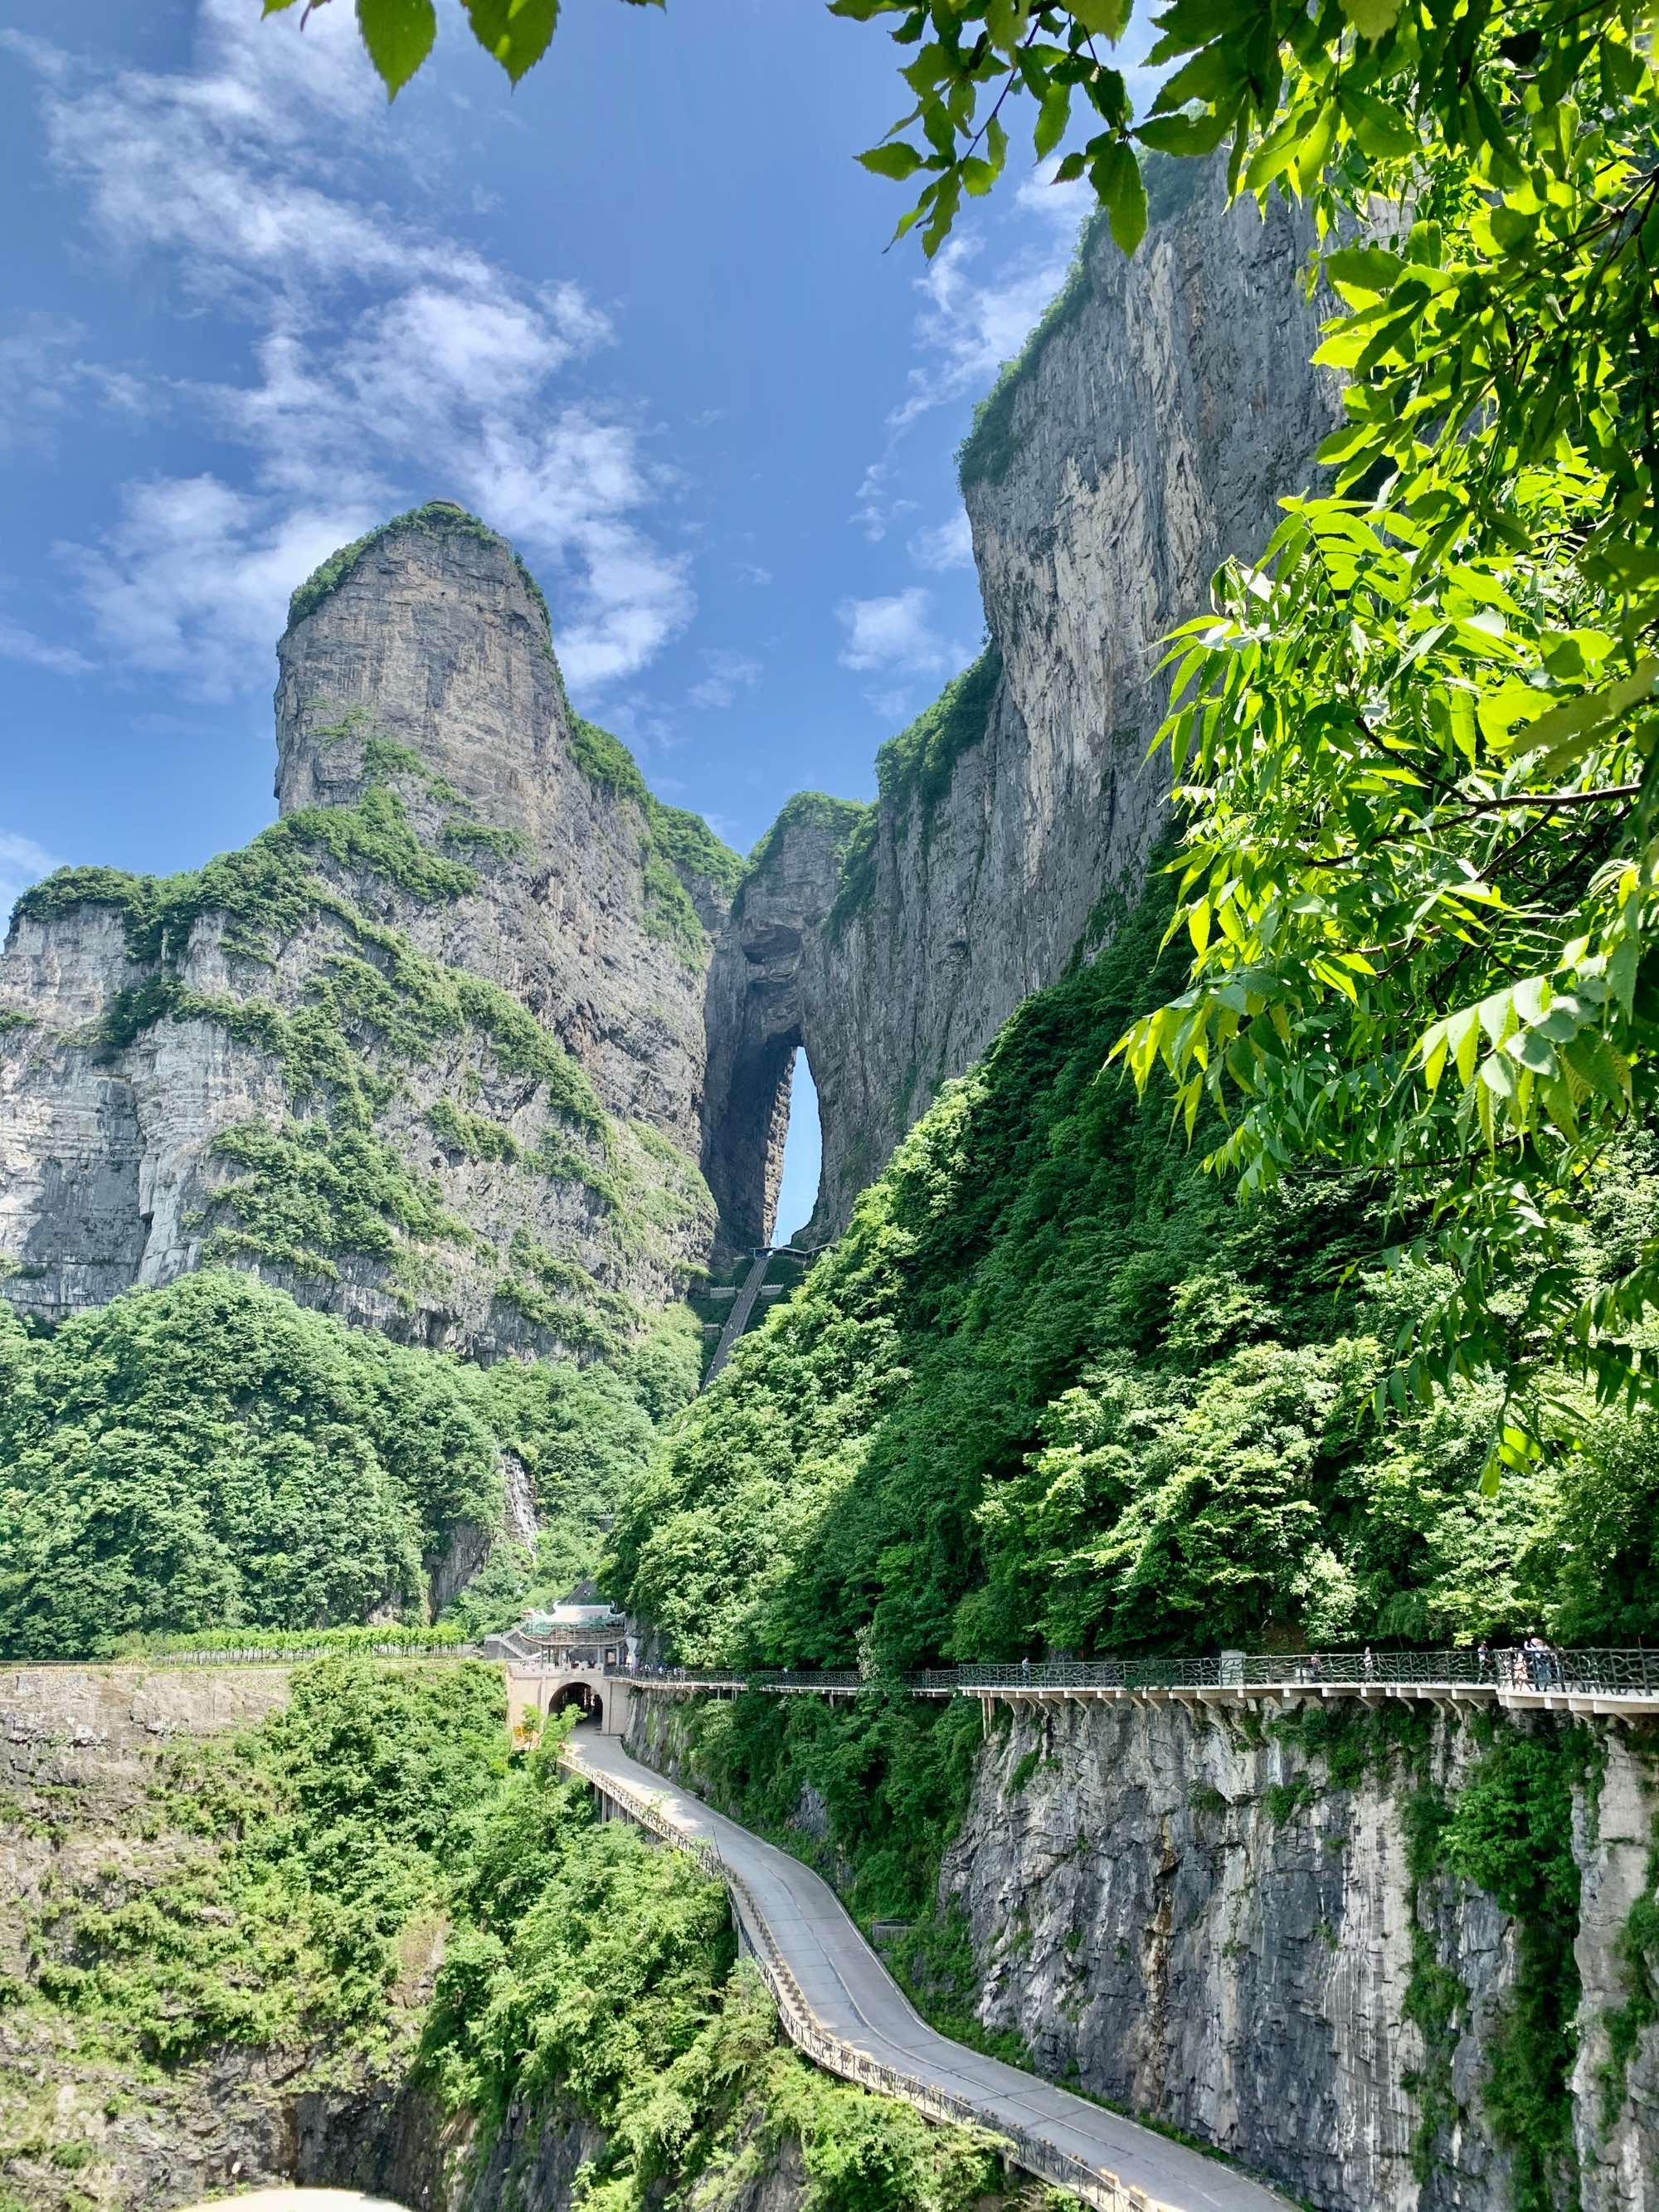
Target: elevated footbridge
1619,1684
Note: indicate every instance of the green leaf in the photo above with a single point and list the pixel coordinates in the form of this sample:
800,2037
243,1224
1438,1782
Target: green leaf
1372,19
1115,175
1052,115
399,34
515,31
896,160
1183,134
1106,19
1382,131
1369,270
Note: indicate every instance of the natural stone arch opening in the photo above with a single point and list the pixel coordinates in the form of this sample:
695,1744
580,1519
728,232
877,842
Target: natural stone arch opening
755,1125
759,1019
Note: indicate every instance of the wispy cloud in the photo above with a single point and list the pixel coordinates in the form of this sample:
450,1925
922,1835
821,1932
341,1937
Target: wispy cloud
17,643
22,862
44,376
979,302
895,635
728,673
379,345
949,545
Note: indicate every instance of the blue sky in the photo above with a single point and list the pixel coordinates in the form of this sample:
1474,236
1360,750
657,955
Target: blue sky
637,314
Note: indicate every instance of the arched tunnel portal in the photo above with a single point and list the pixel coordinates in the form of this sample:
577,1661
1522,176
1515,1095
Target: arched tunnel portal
586,1697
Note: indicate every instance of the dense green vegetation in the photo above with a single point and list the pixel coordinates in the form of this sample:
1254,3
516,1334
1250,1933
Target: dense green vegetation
212,1457
1054,1387
913,775
305,1878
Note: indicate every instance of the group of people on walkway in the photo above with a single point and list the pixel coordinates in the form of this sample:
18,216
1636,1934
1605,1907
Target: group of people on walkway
1533,1665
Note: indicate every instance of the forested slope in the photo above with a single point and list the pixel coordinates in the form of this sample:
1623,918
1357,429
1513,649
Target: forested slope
212,1454
1054,1387
366,1938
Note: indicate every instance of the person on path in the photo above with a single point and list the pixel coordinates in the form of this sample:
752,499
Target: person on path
1368,1665
1483,1661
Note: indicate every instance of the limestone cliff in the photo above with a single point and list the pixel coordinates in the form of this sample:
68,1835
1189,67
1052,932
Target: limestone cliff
1257,1943
1163,409
430,1052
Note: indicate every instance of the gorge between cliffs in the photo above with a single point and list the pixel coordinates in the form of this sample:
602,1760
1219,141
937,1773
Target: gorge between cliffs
372,1200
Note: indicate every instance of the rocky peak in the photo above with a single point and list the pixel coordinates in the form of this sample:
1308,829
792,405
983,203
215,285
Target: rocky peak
429,634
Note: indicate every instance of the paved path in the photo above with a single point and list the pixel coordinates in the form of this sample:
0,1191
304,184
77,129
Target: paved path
856,1998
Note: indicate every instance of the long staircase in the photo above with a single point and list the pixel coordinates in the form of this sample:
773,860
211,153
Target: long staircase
742,1307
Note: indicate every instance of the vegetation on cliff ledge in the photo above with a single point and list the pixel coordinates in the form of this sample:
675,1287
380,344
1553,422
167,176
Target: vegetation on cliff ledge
913,775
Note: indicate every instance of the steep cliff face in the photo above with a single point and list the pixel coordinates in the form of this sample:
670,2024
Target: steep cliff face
1153,424
430,1053
1263,1946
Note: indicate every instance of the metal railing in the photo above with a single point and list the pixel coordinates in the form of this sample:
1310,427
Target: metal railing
679,1678
1632,1673
1096,2185
828,1680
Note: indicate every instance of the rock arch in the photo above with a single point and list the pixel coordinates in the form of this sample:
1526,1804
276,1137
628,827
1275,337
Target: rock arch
759,1013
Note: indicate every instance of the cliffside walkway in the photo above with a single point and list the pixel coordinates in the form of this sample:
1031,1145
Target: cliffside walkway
738,1320
1624,1683
839,2003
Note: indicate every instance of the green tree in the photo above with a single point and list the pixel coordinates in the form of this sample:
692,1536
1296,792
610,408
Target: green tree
1415,742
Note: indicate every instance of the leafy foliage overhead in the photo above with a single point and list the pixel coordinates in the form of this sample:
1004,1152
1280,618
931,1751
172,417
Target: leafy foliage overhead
1417,739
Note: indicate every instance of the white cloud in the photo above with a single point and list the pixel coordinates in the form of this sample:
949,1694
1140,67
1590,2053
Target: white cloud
193,581
728,674
977,309
17,643
22,862
381,349
44,375
894,635
949,545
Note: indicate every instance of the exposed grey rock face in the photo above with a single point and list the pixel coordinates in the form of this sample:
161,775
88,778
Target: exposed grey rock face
1159,425
450,1085
1147,1918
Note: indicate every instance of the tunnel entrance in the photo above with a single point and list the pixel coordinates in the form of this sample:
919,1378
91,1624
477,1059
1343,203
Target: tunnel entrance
585,1695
